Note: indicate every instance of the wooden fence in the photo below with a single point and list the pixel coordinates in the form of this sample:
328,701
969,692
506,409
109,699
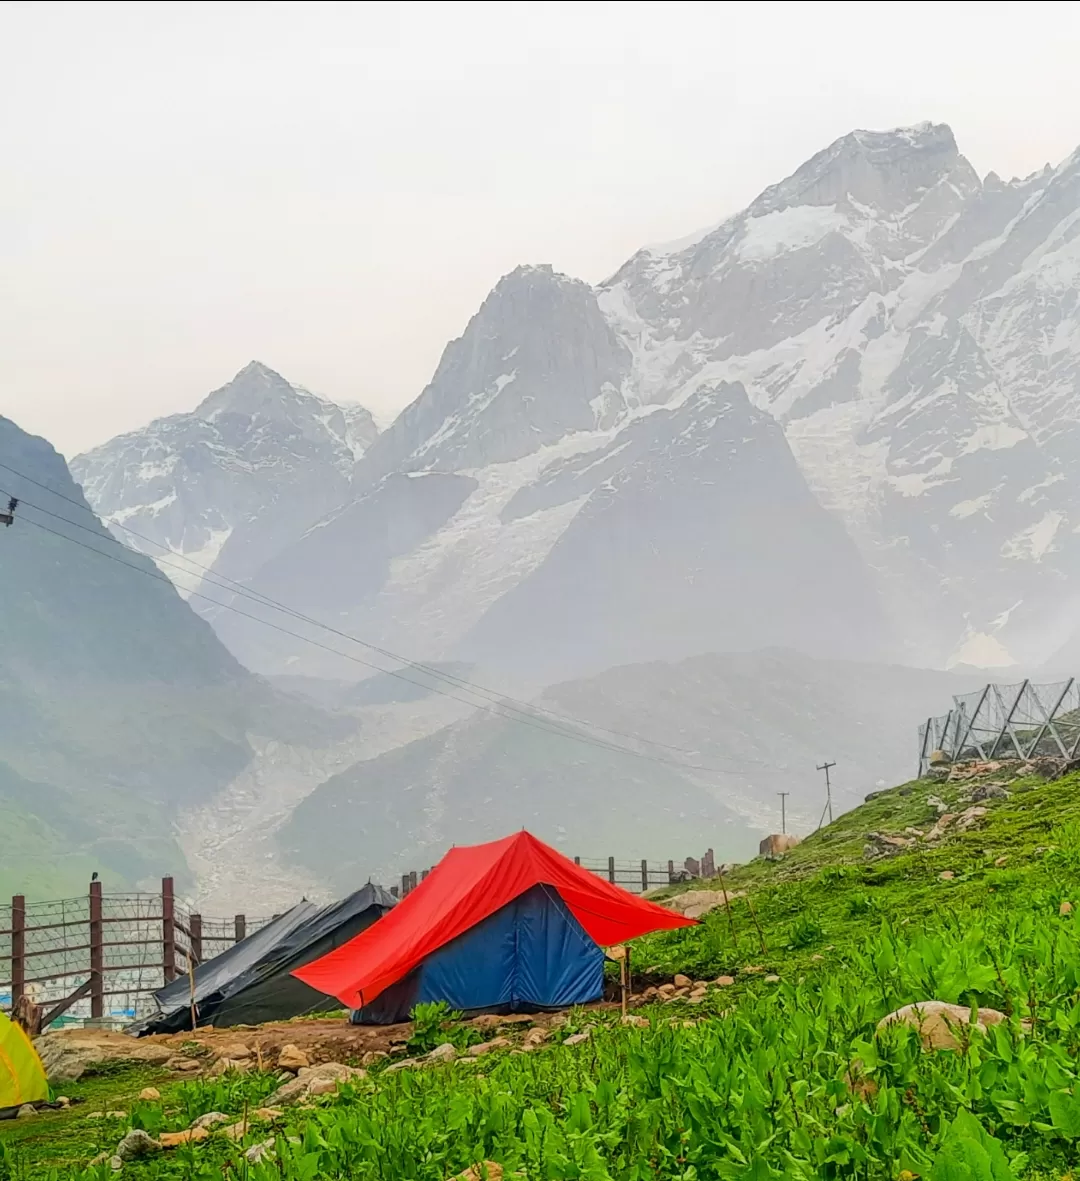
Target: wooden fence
105,953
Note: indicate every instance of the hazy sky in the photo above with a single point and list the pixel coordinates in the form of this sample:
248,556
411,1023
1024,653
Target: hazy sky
333,188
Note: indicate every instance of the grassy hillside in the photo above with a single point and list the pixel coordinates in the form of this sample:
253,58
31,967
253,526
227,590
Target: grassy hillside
117,703
783,1073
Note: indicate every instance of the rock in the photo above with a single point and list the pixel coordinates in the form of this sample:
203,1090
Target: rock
267,1114
694,904
777,844
999,862
150,1094
291,1057
946,875
682,981
291,1092
725,981
817,957
486,1021
937,804
26,1111
752,968
190,1136
63,1101
373,1056
496,1043
116,1163
183,1065
322,1086
884,844
235,1051
485,1171
535,1038
136,1144
939,758
257,1153
337,1071
872,795
989,791
1065,908
577,1038
444,1053
666,991
938,1023
211,1120
633,1019
230,1066
772,978
970,818
403,1064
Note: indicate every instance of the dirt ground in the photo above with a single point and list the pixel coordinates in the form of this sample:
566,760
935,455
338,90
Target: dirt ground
330,1039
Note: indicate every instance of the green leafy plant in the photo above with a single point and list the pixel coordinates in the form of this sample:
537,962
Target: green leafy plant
806,931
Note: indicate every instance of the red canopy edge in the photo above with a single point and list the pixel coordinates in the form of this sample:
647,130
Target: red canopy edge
470,883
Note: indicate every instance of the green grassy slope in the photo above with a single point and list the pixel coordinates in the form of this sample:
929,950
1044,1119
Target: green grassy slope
779,1075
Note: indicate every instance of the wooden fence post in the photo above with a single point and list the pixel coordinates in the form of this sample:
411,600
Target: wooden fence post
670,872
97,954
611,870
577,860
240,928
18,948
395,890
424,873
644,876
196,938
404,884
168,929
412,880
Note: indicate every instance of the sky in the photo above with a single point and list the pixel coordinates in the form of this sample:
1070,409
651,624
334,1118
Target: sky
333,189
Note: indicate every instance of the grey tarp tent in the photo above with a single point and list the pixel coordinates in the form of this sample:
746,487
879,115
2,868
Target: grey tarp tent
251,982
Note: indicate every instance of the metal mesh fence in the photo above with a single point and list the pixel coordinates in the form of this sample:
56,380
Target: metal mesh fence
1019,721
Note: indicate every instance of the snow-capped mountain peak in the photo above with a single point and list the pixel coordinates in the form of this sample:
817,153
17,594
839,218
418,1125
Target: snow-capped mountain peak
255,463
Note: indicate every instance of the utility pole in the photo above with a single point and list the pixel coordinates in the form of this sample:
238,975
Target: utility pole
828,785
783,810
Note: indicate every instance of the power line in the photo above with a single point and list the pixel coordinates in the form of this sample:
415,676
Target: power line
505,701
535,723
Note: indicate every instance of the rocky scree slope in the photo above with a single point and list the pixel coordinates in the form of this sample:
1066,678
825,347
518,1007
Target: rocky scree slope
731,730
875,363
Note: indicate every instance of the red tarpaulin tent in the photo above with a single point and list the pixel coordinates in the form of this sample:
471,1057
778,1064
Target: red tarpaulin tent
471,883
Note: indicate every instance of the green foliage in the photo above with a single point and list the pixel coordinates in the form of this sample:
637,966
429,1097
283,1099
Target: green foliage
806,931
434,1024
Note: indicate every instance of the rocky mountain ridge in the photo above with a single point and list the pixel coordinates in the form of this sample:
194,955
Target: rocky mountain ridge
913,330
231,483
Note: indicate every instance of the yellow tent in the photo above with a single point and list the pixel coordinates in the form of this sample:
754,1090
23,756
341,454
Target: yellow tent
22,1077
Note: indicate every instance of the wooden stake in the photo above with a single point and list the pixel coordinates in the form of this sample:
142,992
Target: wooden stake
727,906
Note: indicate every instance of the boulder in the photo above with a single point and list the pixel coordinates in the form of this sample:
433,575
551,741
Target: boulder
989,791
258,1153
577,1038
176,1139
725,981
447,1052
373,1056
496,1043
666,991
337,1071
402,1064
970,818
485,1171
26,1111
291,1092
291,1057
938,758
777,844
136,1144
535,1038
234,1050
230,1066
211,1120
940,1025
322,1086
150,1094
682,981
183,1065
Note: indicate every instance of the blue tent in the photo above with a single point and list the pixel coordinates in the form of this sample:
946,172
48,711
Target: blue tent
530,955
